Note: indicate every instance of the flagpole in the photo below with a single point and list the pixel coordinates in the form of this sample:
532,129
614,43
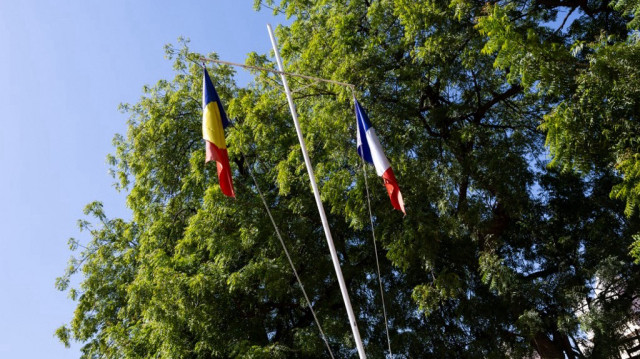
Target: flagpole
316,193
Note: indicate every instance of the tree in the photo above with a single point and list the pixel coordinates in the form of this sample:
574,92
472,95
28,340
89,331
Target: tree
499,255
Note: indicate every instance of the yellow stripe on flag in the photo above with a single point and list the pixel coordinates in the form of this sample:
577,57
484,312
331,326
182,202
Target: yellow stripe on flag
212,129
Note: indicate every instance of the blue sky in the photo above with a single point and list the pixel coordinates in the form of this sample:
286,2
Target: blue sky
64,68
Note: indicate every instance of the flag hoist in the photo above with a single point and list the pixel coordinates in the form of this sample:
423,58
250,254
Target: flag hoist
214,121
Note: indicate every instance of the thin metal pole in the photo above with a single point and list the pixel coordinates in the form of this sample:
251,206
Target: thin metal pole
277,72
295,272
316,193
375,249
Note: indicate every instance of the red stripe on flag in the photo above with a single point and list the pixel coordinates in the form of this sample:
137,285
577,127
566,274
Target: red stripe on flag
224,170
393,189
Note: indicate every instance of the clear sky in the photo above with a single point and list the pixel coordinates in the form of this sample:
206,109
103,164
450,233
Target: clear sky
64,68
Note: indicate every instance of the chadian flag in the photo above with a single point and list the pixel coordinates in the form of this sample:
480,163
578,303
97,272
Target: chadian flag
370,150
214,121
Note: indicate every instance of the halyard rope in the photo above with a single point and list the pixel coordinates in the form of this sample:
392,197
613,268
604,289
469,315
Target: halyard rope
375,249
284,247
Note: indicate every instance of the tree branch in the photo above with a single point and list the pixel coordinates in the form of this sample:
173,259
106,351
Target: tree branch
541,273
483,109
565,19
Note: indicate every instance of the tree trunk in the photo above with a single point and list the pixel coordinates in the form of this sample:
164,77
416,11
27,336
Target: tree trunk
546,348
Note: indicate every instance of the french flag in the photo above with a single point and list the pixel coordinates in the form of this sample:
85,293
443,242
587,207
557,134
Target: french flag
370,150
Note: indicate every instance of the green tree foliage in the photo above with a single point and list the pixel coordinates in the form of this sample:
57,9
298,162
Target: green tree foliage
499,256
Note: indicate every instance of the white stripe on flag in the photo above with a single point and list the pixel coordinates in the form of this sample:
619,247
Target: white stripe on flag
380,161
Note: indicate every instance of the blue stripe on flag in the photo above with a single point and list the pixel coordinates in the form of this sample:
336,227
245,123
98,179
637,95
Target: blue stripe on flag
362,116
209,95
363,125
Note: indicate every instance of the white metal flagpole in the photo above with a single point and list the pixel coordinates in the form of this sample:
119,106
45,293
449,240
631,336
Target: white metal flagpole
316,193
